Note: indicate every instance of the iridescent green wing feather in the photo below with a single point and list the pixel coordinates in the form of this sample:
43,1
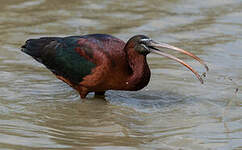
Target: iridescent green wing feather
60,56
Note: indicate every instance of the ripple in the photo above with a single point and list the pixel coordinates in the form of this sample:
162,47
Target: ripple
26,4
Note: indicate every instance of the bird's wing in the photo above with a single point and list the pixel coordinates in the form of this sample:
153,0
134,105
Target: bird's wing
65,57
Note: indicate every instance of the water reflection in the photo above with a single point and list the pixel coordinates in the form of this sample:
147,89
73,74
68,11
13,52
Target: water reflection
174,111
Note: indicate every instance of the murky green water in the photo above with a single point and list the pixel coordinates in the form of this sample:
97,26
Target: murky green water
175,111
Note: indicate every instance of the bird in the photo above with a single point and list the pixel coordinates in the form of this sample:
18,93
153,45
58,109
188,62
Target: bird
101,62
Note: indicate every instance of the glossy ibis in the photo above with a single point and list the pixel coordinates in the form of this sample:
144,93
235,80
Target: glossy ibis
100,62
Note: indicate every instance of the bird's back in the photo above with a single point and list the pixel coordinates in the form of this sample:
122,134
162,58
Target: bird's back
73,57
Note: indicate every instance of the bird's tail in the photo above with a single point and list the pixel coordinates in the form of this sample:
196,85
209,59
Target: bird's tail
33,47
36,47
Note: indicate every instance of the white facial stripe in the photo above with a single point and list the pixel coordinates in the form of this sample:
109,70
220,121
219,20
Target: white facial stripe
144,40
145,46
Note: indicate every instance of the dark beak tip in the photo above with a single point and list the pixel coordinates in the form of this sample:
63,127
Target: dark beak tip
202,82
206,66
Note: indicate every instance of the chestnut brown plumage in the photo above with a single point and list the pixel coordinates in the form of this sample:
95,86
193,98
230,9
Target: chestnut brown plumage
100,62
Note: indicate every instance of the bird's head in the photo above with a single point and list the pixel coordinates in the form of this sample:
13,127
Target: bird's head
144,45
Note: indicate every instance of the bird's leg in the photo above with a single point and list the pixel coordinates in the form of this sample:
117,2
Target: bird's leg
100,94
83,92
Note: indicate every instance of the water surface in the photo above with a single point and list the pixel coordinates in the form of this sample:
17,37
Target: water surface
37,111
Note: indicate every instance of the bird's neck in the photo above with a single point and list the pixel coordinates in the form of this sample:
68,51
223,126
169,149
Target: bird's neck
140,72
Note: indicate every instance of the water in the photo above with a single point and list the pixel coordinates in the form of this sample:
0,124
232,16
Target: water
174,111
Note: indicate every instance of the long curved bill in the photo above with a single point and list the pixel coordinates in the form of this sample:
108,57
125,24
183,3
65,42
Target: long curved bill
164,45
154,45
180,61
